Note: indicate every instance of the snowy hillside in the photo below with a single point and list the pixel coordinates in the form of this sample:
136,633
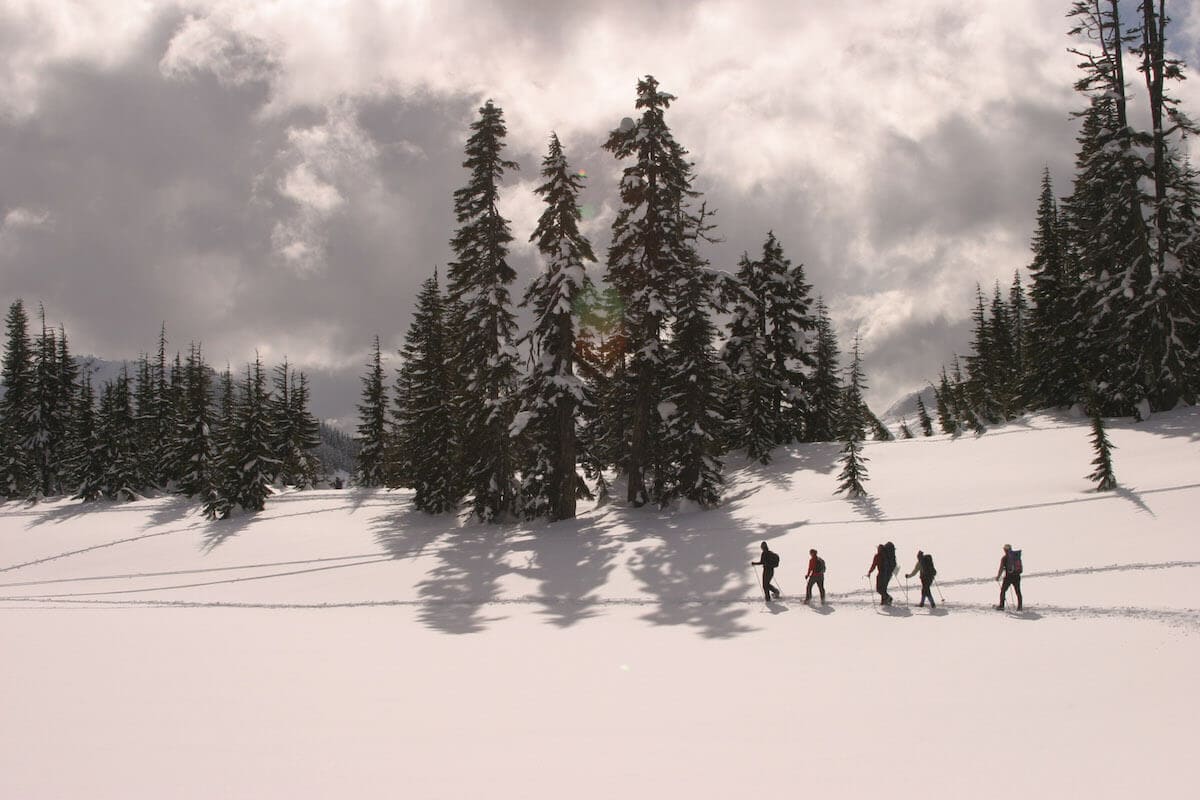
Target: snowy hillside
340,644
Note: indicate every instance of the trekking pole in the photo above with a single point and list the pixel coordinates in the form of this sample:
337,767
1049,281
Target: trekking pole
906,601
757,580
938,586
871,591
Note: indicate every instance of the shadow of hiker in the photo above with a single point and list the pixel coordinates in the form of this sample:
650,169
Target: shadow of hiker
894,611
776,607
1024,614
820,608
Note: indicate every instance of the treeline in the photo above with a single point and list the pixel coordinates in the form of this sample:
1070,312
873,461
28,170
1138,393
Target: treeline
629,375
171,426
1112,316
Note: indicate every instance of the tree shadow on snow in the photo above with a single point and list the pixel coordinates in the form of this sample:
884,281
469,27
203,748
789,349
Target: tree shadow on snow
571,560
465,583
699,577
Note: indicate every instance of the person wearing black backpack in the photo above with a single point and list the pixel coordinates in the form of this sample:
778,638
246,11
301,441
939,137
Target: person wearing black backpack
924,566
885,561
815,576
769,561
1010,568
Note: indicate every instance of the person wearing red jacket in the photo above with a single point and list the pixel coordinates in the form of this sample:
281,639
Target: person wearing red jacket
815,576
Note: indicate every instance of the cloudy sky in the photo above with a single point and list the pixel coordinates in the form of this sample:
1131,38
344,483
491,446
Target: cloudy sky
278,175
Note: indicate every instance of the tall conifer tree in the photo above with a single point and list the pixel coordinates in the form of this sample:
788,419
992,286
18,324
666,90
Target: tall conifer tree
479,278
552,393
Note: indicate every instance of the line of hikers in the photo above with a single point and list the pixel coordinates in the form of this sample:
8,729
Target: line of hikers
885,566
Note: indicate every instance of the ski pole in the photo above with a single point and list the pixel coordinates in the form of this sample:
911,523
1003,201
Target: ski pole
871,591
938,586
757,580
906,601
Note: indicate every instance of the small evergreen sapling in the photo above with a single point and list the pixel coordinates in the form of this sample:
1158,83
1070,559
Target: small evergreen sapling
852,429
1103,475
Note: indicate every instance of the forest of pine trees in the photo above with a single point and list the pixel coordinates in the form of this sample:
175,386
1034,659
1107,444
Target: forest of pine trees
163,428
653,373
660,367
1111,317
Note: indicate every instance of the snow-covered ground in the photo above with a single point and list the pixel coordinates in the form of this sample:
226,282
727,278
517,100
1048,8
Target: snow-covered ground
342,645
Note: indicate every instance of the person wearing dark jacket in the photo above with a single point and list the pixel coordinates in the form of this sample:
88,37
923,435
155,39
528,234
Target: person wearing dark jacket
1010,568
769,561
924,566
885,562
815,576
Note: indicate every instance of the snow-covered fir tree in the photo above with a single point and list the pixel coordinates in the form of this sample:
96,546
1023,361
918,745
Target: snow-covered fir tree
551,393
195,448
479,278
785,302
48,419
852,425
825,385
425,433
602,358
17,405
372,427
694,416
82,442
1052,377
220,504
299,465
754,420
251,463
923,417
650,249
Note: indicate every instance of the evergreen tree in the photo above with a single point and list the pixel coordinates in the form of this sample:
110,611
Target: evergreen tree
196,446
301,467
225,467
785,303
695,419
83,470
251,463
1018,334
755,419
602,347
47,420
120,460
17,406
479,278
825,389
148,449
905,431
1004,379
944,395
879,431
279,405
425,418
923,417
852,428
369,468
552,393
1103,475
1054,339
651,249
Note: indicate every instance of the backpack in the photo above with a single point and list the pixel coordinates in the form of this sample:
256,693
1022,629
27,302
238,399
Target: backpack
887,563
1014,562
820,566
927,566
770,559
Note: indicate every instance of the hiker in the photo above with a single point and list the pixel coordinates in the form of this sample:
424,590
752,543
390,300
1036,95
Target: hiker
924,566
885,562
815,576
1010,568
769,561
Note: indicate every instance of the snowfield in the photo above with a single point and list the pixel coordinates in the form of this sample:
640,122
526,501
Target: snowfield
341,645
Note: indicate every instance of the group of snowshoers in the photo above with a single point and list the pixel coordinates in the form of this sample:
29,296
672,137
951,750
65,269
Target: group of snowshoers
885,566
